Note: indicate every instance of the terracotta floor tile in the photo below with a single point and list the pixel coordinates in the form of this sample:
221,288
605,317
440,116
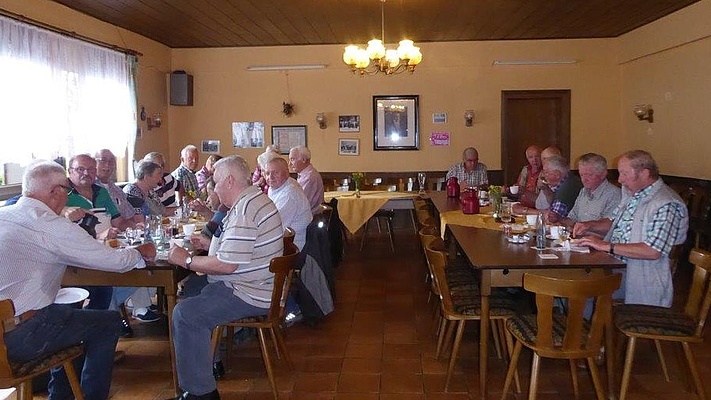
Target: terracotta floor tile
369,350
362,365
399,382
316,382
359,383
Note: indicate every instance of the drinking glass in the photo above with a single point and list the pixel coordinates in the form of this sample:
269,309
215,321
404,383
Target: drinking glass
421,178
563,234
506,213
131,236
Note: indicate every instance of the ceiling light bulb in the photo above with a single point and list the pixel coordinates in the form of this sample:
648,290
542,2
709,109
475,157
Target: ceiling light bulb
376,49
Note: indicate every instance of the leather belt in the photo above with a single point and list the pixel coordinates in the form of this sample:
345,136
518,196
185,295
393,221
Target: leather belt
10,324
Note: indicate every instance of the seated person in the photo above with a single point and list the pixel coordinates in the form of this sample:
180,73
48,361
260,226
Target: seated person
308,177
470,172
105,176
169,186
141,194
528,178
206,172
561,188
258,176
289,198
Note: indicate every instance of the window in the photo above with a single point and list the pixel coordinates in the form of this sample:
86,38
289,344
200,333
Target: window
60,97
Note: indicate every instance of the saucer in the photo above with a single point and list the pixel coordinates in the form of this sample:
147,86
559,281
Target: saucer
71,295
518,239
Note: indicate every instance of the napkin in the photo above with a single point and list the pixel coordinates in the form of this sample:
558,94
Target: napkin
565,246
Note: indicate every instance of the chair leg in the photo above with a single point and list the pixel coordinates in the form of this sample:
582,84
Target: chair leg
495,334
574,377
453,356
658,344
391,233
595,378
440,337
276,333
448,335
73,381
535,368
215,340
365,233
267,362
509,349
694,371
277,349
628,367
512,368
24,390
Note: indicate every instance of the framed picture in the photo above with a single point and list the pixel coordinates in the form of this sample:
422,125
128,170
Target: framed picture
348,147
211,146
396,122
439,118
248,134
284,137
349,123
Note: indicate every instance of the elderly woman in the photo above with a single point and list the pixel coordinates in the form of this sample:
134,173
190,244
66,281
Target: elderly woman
141,194
262,160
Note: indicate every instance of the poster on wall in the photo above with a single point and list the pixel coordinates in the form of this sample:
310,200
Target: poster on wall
439,138
248,134
284,137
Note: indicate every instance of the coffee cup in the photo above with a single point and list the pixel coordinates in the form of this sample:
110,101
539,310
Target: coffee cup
513,189
188,229
555,231
531,219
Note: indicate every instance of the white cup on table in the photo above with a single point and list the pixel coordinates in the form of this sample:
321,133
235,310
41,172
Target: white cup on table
188,229
513,189
531,219
555,231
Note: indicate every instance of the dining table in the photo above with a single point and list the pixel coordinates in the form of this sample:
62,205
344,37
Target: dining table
501,263
355,209
159,273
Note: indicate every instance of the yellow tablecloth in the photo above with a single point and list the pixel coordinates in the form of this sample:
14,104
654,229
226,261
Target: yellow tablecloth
457,217
354,211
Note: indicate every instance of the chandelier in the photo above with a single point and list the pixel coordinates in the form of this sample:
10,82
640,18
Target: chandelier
387,61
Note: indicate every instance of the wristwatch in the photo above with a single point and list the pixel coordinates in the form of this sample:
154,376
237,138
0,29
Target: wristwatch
188,261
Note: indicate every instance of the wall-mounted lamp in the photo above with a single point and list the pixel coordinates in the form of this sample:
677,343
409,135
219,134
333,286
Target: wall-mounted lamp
644,112
321,119
155,121
469,117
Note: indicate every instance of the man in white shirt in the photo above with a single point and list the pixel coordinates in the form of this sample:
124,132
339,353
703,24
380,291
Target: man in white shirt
289,199
36,245
309,179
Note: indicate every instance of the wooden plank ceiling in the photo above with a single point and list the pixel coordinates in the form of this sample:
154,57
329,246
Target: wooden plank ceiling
241,23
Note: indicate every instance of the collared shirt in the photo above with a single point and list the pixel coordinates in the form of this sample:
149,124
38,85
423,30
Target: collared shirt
312,183
476,177
167,191
527,179
662,231
252,236
187,178
36,245
143,203
119,199
293,207
202,177
595,204
100,198
565,193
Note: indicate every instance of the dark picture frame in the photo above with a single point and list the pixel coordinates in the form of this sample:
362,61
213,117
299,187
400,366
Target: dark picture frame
284,137
349,123
396,122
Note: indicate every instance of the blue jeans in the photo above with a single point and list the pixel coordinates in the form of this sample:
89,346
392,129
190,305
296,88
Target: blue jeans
59,326
194,318
99,297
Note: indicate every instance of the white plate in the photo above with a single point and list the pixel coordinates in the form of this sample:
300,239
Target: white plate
71,295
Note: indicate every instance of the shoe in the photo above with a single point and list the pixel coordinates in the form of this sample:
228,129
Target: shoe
214,395
218,370
126,330
292,318
154,308
146,316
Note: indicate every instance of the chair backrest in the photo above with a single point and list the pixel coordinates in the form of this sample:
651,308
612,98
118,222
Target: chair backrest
437,261
7,311
699,300
283,269
428,234
289,235
439,184
576,341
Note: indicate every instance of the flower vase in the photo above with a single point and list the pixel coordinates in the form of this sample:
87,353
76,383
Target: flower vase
496,204
357,188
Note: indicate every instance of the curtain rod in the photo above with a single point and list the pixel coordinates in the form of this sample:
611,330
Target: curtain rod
71,34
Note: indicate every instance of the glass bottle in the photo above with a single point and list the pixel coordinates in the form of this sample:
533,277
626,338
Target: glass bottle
540,232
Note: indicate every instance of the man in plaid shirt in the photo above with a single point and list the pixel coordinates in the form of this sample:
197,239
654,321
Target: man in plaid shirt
470,172
650,220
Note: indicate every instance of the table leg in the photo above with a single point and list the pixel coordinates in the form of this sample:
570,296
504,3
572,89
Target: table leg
483,342
610,359
171,305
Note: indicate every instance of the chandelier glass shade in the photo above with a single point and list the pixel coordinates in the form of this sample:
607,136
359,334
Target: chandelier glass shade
377,58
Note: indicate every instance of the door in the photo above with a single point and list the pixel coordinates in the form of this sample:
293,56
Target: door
529,117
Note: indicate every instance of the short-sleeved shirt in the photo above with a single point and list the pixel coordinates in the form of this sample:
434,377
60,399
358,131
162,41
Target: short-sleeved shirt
595,204
294,208
143,202
312,183
202,177
100,199
167,191
187,178
119,198
252,235
477,176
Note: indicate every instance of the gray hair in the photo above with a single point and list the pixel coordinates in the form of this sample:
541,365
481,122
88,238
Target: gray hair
187,149
594,160
470,150
302,151
264,158
41,177
558,163
640,159
237,168
278,160
154,156
77,156
146,168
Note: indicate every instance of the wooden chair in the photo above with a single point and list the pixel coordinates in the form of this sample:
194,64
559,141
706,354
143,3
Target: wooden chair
460,304
660,323
20,375
439,184
569,336
283,269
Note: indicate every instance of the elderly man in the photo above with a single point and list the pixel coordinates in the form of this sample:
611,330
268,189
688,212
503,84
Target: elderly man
105,176
309,179
205,173
528,178
470,172
184,174
170,185
650,219
237,266
598,197
289,199
36,245
561,188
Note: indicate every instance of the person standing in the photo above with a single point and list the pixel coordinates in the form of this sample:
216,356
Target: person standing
470,172
308,177
184,174
649,221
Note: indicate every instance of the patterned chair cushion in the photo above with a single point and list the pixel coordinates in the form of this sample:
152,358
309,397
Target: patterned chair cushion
500,303
651,320
525,328
44,364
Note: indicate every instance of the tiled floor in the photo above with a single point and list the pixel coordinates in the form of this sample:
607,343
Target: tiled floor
379,344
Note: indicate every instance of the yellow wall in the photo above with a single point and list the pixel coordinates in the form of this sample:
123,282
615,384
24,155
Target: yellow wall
668,64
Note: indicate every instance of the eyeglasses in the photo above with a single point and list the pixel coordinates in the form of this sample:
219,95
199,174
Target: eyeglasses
67,189
82,170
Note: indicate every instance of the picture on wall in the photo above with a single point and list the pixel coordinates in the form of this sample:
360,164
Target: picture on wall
396,122
439,118
349,147
248,134
349,123
211,146
285,137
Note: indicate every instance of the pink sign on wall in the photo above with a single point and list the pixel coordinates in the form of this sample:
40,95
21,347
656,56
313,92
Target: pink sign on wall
439,138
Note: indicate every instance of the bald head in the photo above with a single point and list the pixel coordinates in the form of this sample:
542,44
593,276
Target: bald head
533,157
470,158
549,152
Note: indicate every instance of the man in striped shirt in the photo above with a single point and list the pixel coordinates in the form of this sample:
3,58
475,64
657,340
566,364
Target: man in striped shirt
237,266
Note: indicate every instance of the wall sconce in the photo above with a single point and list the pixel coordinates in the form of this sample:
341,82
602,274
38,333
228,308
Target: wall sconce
321,119
644,112
469,117
155,121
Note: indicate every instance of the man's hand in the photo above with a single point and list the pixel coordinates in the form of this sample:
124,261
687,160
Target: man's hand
200,241
177,256
594,242
148,251
110,233
75,214
580,229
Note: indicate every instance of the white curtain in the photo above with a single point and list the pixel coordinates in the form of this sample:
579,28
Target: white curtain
61,96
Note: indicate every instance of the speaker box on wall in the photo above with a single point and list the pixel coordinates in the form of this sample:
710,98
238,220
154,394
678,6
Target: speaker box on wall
181,89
